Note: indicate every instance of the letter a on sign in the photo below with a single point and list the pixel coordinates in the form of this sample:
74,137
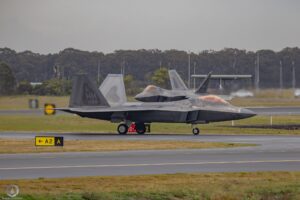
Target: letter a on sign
59,141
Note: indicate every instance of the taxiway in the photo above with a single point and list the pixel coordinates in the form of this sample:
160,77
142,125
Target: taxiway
272,152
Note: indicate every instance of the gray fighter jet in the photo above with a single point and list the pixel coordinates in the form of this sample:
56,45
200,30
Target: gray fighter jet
87,101
179,90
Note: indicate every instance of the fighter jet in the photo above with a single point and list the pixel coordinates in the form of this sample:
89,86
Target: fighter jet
179,90
87,101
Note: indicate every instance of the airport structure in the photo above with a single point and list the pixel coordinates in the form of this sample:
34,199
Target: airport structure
224,77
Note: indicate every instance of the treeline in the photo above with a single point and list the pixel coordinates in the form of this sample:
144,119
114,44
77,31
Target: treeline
141,64
60,86
9,85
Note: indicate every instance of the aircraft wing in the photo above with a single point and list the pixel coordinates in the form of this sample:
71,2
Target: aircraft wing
125,108
180,106
275,110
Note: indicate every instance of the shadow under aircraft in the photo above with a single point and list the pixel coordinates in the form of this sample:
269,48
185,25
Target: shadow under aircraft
88,101
179,90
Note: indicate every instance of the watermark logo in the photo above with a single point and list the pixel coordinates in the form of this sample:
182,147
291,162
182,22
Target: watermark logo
12,190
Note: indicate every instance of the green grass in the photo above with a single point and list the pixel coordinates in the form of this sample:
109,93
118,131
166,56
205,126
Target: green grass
72,123
210,186
268,102
27,145
21,102
274,93
268,97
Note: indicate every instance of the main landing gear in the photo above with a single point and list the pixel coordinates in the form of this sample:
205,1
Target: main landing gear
139,127
196,131
122,129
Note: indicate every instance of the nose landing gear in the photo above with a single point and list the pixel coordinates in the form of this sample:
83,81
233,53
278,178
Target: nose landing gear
196,131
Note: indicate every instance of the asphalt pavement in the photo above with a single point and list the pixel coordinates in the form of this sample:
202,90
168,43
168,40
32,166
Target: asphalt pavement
272,152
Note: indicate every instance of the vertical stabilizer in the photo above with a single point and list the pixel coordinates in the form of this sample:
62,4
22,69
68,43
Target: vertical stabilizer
85,93
113,89
176,81
202,89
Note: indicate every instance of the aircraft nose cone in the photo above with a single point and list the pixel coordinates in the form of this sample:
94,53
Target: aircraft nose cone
139,97
247,113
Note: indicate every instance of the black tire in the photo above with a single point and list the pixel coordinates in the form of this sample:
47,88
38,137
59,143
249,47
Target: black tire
196,131
140,128
122,129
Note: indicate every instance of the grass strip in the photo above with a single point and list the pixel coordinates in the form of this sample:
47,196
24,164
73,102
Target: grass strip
28,146
210,186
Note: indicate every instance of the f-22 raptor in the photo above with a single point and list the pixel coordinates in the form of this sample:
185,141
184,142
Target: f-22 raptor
87,101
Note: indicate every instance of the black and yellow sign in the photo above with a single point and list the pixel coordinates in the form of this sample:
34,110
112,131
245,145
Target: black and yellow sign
49,141
49,109
148,128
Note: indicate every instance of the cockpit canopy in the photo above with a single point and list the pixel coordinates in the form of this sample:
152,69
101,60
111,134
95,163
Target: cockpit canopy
156,94
213,99
209,100
150,88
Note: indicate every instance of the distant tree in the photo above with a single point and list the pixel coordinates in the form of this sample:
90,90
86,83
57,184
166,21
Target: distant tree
128,80
7,80
161,77
24,87
141,64
39,90
131,85
56,87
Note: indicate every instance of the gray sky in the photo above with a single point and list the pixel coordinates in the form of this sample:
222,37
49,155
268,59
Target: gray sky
106,25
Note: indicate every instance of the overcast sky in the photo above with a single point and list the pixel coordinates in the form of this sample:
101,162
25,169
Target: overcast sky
106,25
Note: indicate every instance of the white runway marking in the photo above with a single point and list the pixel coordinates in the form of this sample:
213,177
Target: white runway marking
149,164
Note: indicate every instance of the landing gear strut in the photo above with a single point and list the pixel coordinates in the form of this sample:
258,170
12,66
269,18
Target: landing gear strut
122,129
196,131
140,128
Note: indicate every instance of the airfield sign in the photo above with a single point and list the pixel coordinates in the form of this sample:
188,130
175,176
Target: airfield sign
49,141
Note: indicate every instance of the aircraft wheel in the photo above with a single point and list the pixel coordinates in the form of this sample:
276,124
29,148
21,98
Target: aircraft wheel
140,128
196,131
122,129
